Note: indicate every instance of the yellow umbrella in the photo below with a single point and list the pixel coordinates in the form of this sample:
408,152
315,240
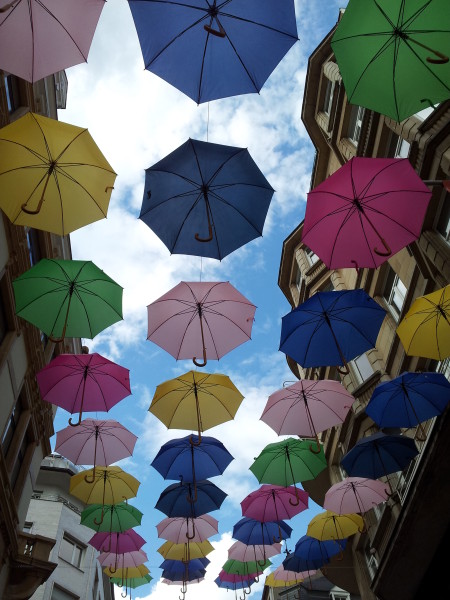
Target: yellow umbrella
188,551
127,572
52,175
425,329
196,401
331,526
272,582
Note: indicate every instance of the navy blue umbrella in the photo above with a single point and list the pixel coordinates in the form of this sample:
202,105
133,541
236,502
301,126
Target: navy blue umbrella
251,532
179,568
211,49
301,565
178,500
409,399
206,199
331,328
238,585
311,549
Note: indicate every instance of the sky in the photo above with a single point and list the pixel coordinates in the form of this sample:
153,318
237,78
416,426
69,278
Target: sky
136,119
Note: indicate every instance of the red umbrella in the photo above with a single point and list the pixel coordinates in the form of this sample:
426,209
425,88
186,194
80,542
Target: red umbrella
205,319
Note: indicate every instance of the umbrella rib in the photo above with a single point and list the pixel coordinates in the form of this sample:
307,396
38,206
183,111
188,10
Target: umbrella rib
236,209
258,24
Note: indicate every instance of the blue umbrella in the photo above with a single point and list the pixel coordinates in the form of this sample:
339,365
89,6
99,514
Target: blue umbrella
292,562
211,49
177,500
409,399
179,568
311,549
238,585
251,532
331,328
206,199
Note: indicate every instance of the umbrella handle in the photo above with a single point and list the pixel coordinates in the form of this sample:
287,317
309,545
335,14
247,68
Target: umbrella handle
190,498
205,360
345,370
190,537
7,6
318,447
37,210
107,550
88,480
280,537
58,340
205,195
77,423
218,33
101,517
209,238
386,252
441,58
199,439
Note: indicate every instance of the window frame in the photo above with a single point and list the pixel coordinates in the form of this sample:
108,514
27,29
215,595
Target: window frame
355,123
328,97
391,290
76,544
359,370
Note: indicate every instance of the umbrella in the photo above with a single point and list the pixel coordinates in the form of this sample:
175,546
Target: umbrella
294,563
288,462
95,442
355,495
253,552
122,517
206,199
235,577
384,48
378,455
249,569
196,401
331,328
409,399
184,569
272,582
119,543
127,559
185,551
330,526
178,529
281,574
52,175
177,500
205,319
317,551
181,582
233,585
307,407
189,574
72,298
127,572
210,49
89,381
131,582
273,503
365,212
252,532
425,329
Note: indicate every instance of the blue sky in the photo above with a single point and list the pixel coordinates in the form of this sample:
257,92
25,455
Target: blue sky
136,119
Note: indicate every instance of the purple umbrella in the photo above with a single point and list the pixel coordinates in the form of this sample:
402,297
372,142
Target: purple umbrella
274,503
119,543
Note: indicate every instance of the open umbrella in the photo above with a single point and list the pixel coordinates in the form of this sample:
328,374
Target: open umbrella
274,579
72,298
52,174
179,529
307,408
185,551
425,329
365,212
317,551
83,381
211,49
331,328
252,552
119,517
271,503
127,559
330,526
130,583
206,199
127,572
184,569
117,542
292,562
249,569
205,319
196,401
355,495
385,47
177,500
252,532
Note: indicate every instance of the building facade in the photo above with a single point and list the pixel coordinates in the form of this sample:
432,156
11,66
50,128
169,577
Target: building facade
402,549
26,423
317,587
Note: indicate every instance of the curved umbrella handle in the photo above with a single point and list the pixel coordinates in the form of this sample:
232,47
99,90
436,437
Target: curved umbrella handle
101,516
296,495
205,360
8,6
280,537
29,211
190,537
210,235
318,447
218,33
79,419
88,480
205,190
345,370
191,441
441,59
386,252
200,364
194,498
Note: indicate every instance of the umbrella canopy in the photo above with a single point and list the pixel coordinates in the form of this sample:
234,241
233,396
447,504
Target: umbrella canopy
206,319
233,585
189,575
72,298
237,567
254,552
252,532
179,529
330,526
214,49
384,48
355,495
127,572
317,551
131,582
118,517
185,551
127,559
196,401
362,214
177,500
119,543
280,582
184,569
281,574
83,381
271,503
331,328
307,408
206,199
52,175
301,565
235,577
425,329
181,582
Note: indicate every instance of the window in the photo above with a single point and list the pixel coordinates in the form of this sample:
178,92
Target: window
354,128
11,427
311,256
12,92
443,224
402,148
34,250
394,292
361,368
298,279
371,560
17,466
28,526
328,101
72,551
339,596
58,593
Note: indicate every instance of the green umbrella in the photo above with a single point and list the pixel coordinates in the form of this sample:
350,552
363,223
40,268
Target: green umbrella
70,298
390,54
288,462
131,582
237,567
117,517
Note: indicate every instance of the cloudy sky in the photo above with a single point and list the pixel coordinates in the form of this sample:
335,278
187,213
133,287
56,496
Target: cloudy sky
136,119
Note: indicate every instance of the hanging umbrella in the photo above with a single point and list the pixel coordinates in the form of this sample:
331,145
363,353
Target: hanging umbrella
253,552
294,563
131,582
274,503
185,551
178,529
235,577
330,526
83,381
181,582
252,532
331,328
127,559
390,55
206,199
177,500
127,572
72,298
214,49
205,319
233,585
118,517
52,175
196,401
41,37
118,543
318,552
281,574
184,569
425,329
365,212
307,408
188,575
273,580
355,495
288,462
249,569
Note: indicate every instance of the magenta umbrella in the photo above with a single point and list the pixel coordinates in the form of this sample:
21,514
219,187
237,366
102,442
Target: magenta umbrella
365,212
307,407
116,542
41,37
78,382
355,495
180,529
256,552
95,442
274,503
200,319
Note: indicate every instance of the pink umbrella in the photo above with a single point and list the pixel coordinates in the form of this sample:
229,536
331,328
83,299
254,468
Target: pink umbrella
365,212
41,37
117,543
355,495
95,442
83,381
200,319
281,574
127,559
242,552
307,408
180,529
